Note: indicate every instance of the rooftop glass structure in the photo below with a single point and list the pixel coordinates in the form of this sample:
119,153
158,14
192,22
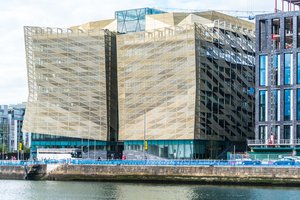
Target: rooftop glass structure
134,20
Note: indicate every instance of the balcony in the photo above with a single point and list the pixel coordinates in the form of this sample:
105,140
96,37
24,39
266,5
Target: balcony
282,142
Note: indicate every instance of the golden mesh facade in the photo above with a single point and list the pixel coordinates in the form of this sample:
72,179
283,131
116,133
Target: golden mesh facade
157,84
186,82
67,79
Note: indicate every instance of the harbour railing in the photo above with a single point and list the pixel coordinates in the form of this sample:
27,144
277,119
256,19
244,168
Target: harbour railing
210,163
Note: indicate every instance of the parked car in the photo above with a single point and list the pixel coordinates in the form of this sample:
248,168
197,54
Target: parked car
285,161
251,162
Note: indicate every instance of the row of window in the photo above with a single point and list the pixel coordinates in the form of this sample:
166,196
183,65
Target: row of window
276,32
288,70
287,105
287,132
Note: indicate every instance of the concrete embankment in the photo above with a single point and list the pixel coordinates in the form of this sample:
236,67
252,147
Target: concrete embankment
12,172
240,175
196,174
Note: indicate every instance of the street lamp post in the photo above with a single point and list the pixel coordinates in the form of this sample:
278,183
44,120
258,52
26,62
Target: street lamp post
81,148
144,135
2,135
2,143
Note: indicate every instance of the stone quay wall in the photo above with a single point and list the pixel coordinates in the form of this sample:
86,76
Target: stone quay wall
234,175
187,174
12,172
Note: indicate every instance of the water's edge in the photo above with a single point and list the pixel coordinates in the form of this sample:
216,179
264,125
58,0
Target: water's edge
248,176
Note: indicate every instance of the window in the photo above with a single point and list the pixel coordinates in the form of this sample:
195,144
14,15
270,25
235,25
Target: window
262,70
298,132
286,132
262,132
275,33
298,104
288,32
262,105
287,68
298,31
287,105
275,93
263,35
276,64
298,68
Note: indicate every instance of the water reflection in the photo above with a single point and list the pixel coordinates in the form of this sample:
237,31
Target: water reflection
37,190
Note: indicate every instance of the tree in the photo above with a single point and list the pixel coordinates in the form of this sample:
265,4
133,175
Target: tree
3,148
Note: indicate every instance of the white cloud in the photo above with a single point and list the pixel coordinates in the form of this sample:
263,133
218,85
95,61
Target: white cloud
64,13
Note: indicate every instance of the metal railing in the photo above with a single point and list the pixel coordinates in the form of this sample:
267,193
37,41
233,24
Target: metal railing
209,163
280,142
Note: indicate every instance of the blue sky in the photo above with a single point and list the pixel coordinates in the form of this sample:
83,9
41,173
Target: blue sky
14,14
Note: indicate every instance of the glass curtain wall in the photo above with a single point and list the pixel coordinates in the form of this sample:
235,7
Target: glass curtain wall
134,20
53,141
165,148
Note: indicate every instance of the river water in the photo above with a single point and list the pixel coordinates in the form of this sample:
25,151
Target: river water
55,190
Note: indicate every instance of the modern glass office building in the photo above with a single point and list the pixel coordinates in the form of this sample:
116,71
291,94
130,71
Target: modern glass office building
173,85
184,87
277,118
71,76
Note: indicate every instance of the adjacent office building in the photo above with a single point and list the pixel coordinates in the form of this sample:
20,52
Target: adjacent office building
177,85
277,117
11,123
4,129
18,140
